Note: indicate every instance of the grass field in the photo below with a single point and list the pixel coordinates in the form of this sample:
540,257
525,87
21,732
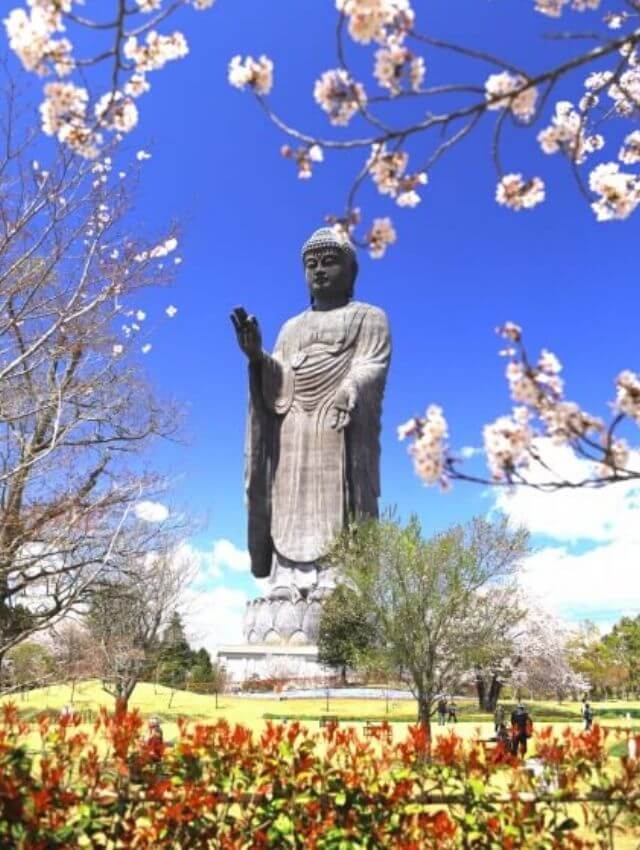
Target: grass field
170,705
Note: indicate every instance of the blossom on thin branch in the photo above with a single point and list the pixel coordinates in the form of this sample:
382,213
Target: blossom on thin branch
439,113
45,36
514,444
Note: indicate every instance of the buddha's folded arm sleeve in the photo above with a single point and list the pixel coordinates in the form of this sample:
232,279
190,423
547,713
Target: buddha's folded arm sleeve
276,377
366,379
371,358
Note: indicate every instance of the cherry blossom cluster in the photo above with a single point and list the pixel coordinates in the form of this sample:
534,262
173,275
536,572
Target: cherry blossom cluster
507,443
397,65
511,444
512,92
618,191
429,447
377,20
555,8
628,394
43,34
380,236
515,192
566,133
257,74
603,68
339,96
630,151
387,169
376,239
304,158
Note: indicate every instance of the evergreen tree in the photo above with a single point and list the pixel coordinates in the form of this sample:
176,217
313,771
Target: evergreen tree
345,631
202,671
176,658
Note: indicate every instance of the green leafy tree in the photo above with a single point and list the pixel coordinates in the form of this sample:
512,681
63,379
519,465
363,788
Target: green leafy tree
31,664
430,601
346,632
15,620
623,642
600,660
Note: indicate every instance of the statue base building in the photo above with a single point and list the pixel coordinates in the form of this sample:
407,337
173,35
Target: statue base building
271,661
280,641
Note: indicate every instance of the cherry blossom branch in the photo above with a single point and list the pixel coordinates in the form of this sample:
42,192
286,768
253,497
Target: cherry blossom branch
512,92
516,445
76,115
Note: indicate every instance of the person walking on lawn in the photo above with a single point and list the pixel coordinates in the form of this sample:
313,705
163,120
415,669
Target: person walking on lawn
587,716
452,710
442,711
521,729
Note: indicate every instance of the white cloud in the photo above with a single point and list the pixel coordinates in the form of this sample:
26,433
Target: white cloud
602,584
202,563
211,565
592,514
214,612
151,511
591,569
213,617
227,556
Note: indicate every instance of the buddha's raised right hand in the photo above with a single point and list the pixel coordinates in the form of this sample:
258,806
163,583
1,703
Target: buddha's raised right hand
248,333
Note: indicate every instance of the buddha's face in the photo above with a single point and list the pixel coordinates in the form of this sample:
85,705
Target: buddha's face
329,274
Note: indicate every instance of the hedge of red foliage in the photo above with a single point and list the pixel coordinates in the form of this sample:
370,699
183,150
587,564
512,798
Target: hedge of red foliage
221,786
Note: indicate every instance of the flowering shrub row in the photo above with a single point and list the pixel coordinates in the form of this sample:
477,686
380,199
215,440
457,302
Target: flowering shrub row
222,786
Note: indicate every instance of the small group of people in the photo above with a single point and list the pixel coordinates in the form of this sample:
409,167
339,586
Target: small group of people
447,711
514,740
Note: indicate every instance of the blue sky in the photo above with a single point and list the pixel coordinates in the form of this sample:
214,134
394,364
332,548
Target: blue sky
462,265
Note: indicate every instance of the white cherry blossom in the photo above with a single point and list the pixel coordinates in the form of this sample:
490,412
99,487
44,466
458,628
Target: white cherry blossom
510,91
255,73
619,191
380,236
515,192
630,150
566,133
339,96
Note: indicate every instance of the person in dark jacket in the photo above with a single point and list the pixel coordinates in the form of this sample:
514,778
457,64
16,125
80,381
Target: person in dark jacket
587,716
442,711
521,729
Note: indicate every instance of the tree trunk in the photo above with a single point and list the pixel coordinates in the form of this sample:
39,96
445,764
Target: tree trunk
424,721
488,699
494,695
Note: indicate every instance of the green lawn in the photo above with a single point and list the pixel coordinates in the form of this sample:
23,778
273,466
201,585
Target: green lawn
250,711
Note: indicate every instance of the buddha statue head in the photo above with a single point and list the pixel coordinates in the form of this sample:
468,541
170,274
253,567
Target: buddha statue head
330,268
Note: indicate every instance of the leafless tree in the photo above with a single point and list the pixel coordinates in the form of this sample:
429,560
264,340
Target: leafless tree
133,604
75,407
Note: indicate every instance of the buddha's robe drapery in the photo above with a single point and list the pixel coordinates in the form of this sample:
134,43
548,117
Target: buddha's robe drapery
304,478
